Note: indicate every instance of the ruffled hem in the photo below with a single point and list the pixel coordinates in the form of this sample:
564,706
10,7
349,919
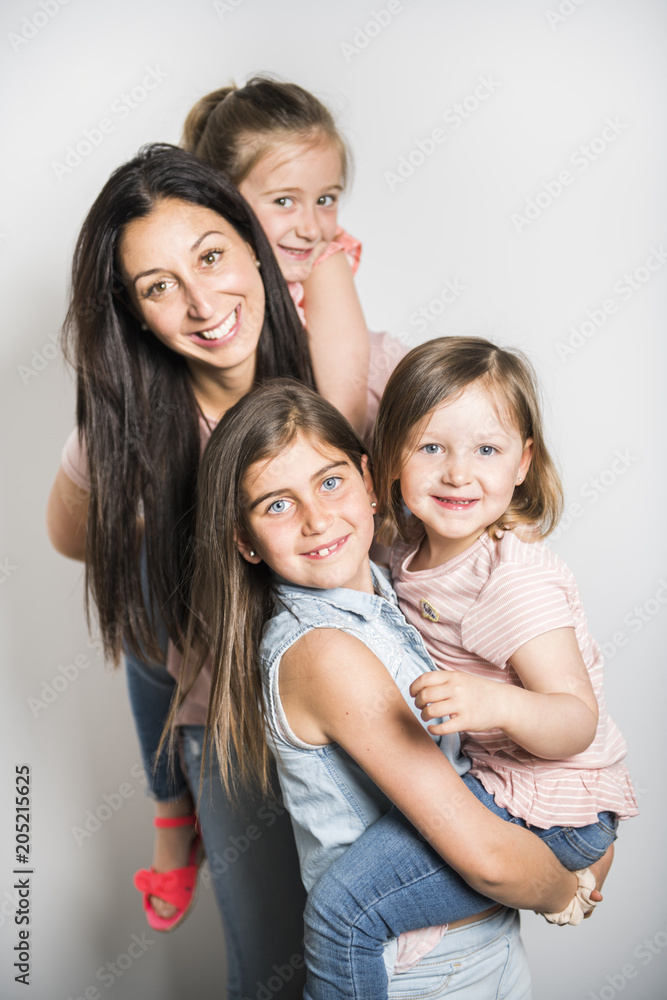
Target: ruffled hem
546,797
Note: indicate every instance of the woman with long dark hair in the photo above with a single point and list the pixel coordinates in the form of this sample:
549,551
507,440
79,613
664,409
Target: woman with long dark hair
178,309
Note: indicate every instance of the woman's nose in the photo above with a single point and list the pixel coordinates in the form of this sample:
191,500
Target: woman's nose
200,299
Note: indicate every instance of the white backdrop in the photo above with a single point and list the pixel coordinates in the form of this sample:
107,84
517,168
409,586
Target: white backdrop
510,163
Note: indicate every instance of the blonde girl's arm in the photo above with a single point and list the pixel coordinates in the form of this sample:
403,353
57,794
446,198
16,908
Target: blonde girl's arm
554,714
334,689
66,517
338,337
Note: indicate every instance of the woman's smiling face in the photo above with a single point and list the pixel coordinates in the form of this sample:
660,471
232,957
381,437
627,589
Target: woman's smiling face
194,283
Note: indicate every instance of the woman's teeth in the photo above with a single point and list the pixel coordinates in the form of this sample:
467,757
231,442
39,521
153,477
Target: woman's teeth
222,330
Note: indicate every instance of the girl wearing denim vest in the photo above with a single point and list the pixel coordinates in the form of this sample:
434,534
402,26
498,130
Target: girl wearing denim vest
284,525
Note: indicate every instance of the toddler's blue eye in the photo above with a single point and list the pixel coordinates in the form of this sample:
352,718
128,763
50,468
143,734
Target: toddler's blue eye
487,449
431,449
331,483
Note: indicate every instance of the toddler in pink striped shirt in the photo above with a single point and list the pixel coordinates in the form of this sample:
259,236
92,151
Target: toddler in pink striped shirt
464,478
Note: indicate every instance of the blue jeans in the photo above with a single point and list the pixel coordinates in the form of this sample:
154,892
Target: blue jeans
390,881
151,688
254,870
484,960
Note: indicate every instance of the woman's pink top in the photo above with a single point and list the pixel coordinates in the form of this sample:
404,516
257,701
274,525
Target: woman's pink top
474,612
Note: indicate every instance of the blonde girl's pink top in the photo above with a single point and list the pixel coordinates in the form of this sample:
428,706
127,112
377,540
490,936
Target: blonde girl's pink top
342,241
474,612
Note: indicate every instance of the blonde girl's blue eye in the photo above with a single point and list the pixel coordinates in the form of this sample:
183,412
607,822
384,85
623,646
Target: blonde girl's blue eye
279,506
331,483
486,450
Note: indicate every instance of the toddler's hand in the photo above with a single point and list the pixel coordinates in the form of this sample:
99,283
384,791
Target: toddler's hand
473,704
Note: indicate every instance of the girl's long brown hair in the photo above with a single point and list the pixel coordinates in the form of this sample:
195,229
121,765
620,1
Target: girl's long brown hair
232,599
439,370
136,410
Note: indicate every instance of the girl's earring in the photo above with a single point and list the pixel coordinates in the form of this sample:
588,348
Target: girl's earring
519,480
373,504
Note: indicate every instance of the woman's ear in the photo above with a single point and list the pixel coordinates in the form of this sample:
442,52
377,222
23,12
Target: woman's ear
247,551
368,481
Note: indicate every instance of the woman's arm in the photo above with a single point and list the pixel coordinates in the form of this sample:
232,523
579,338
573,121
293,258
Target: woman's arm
554,714
334,689
338,337
66,517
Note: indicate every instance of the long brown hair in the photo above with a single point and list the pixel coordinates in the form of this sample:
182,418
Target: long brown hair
136,410
234,127
231,598
439,370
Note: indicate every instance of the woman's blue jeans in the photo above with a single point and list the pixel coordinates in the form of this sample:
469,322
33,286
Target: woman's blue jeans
252,861
390,881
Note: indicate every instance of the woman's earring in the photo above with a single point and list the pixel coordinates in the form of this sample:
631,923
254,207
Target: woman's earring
258,263
252,553
143,326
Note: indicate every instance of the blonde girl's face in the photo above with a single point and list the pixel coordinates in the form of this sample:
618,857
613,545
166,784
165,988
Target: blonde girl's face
309,516
461,472
294,191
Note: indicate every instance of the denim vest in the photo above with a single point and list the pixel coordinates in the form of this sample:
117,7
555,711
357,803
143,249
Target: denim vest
329,796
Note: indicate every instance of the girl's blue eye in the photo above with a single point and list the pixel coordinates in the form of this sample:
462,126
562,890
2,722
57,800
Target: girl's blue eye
279,506
327,200
430,449
331,483
487,449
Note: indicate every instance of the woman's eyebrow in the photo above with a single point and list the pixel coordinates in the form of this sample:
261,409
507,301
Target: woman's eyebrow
195,246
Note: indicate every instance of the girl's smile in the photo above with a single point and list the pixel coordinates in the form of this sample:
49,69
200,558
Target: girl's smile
461,473
294,191
309,516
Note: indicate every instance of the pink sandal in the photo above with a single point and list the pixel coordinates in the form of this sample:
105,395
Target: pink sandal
177,887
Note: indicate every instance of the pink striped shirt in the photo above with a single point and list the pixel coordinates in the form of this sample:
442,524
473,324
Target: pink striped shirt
474,612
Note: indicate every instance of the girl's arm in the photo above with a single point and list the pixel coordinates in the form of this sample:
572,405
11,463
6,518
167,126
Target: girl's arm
66,517
338,337
334,689
554,714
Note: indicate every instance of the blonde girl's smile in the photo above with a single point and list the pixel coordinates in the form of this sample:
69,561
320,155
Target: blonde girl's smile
461,472
294,192
309,516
